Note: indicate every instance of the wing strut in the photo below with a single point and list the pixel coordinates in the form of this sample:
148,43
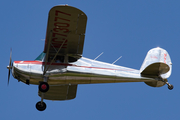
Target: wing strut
53,58
46,58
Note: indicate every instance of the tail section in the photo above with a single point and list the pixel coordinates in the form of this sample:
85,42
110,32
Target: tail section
157,64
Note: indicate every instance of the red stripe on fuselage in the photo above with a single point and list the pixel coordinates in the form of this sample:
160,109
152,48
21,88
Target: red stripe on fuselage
40,63
63,64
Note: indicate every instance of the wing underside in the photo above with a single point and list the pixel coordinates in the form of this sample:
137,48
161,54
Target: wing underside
65,33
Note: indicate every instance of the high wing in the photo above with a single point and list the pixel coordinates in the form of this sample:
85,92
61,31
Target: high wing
64,41
60,92
65,34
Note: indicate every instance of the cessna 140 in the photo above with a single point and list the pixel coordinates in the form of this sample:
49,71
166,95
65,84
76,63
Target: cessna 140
60,67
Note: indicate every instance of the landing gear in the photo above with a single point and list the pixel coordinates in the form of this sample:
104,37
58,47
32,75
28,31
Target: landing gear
43,87
41,106
170,87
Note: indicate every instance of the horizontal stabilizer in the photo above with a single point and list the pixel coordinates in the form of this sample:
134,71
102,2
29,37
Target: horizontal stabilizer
156,69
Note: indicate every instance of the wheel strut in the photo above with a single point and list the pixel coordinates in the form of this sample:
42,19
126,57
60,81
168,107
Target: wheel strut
43,88
170,87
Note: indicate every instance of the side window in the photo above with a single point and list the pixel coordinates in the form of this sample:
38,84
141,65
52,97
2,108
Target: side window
41,57
58,59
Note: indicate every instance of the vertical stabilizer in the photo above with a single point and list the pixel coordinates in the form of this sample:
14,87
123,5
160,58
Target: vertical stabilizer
157,64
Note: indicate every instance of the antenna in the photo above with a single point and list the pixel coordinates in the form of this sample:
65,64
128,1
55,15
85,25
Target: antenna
117,60
98,56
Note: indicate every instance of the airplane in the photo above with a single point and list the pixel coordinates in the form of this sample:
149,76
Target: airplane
60,67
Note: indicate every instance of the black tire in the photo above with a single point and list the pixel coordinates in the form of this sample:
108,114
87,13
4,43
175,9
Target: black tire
43,87
40,106
170,87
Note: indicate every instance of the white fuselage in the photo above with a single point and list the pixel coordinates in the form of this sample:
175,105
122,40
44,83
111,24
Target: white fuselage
83,71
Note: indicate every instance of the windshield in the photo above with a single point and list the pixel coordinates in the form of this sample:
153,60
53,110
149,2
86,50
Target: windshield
41,57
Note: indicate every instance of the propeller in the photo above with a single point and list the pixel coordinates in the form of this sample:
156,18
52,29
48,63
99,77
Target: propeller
9,67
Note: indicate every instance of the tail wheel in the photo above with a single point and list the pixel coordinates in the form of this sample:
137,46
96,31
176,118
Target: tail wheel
41,106
43,87
170,87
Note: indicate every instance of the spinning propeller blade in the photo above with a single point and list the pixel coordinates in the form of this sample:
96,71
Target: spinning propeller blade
9,66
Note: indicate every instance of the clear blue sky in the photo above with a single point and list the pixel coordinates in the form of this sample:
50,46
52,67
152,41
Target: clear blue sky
127,28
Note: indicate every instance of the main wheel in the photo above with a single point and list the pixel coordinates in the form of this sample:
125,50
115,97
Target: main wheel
43,87
40,106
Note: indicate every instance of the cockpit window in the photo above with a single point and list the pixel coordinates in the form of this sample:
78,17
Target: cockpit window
41,57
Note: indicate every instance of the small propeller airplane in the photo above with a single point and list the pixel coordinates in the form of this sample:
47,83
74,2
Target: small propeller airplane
60,67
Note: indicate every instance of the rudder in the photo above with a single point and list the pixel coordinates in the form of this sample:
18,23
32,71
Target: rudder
156,64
